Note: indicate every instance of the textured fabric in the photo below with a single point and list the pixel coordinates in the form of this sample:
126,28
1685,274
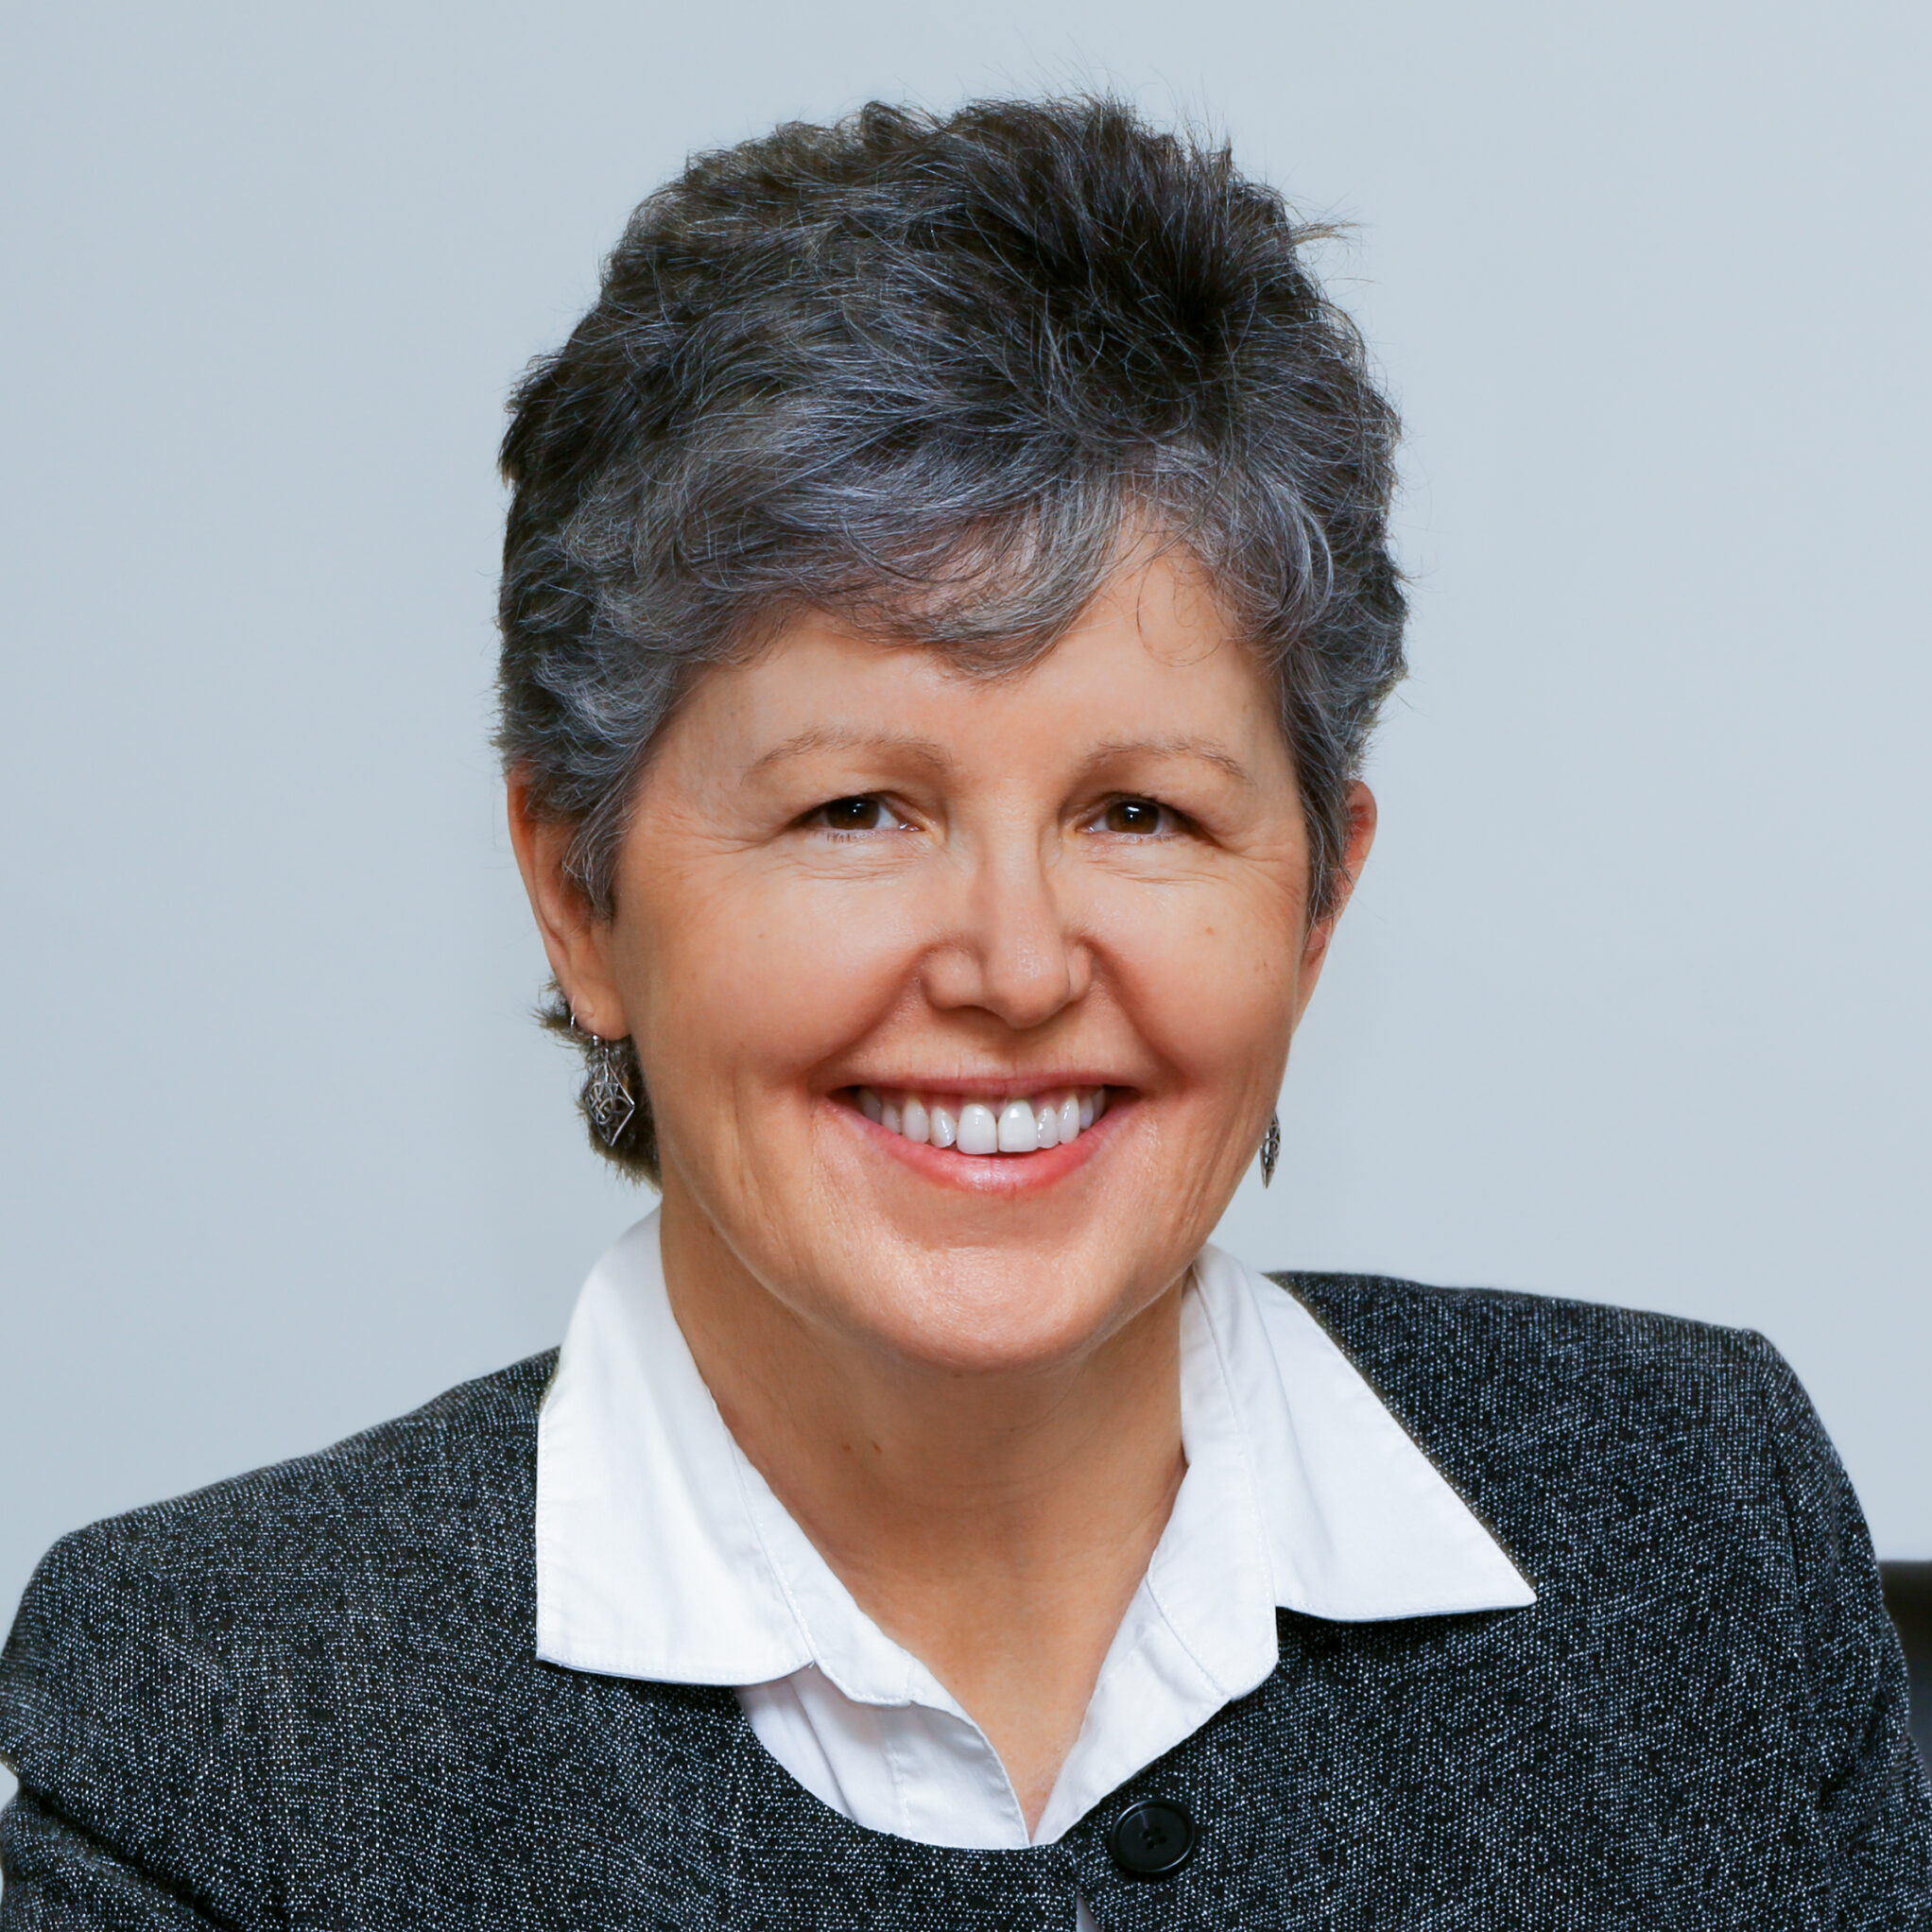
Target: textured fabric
309,1697
662,1553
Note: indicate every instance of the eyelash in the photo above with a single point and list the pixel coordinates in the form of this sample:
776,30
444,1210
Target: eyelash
817,817
1170,822
1175,822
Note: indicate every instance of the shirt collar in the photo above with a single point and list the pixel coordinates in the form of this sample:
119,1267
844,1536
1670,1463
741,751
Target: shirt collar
1359,1526
661,1554
648,1561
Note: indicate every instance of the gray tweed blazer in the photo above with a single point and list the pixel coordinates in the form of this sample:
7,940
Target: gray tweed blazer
309,1697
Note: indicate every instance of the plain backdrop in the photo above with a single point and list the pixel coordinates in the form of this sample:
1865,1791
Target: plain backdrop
1632,1002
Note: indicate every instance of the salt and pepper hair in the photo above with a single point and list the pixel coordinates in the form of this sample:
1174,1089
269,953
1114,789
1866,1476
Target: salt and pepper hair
930,374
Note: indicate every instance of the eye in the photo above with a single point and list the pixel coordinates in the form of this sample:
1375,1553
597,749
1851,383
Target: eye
864,812
1139,819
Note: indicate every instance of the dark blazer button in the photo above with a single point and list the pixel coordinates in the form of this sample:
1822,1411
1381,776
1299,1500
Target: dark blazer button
1151,1839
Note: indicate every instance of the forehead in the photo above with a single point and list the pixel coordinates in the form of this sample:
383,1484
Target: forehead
1152,660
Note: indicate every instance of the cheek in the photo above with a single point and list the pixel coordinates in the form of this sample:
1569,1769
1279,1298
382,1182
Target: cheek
757,980
1211,982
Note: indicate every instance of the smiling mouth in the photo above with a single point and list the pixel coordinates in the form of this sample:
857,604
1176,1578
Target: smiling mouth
1016,1124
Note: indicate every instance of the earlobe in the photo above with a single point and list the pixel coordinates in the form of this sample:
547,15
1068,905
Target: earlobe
574,937
1356,843
1360,837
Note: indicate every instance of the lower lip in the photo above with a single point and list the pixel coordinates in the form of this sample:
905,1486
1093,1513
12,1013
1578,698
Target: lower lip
995,1174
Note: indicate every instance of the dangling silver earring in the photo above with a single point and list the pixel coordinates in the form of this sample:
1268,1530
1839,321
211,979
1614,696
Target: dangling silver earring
607,1100
1271,1148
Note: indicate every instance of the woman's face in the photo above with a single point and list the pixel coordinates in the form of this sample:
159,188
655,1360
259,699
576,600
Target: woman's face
875,916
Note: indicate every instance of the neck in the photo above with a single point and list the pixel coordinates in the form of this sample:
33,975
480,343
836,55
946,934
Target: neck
996,1523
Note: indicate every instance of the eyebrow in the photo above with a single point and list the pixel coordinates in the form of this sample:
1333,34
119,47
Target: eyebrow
854,738
1177,745
850,738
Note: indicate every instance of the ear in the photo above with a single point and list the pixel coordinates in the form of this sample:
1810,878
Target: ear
575,941
1361,835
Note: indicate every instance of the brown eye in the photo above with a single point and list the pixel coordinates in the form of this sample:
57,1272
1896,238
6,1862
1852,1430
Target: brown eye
863,812
1133,816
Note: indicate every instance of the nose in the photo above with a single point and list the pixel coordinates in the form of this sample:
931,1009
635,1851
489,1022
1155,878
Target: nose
1008,947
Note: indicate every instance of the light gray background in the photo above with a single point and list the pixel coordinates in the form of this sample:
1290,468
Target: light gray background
1632,1002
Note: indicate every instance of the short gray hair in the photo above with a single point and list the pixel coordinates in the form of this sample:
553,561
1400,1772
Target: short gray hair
925,373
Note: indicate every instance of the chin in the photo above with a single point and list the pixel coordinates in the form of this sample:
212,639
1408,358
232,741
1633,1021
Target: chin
1001,1315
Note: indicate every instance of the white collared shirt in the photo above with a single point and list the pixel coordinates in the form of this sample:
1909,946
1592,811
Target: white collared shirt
662,1554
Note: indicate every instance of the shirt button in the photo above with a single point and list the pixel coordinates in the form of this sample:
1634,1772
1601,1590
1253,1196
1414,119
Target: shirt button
1151,1839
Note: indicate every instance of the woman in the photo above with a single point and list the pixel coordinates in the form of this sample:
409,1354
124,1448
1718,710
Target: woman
946,595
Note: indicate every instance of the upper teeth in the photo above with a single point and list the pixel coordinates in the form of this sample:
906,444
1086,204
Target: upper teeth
1023,1124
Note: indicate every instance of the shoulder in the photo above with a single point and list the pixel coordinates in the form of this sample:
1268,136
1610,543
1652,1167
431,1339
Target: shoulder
133,1674
1702,1565
319,1522
1535,1361
1580,1430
